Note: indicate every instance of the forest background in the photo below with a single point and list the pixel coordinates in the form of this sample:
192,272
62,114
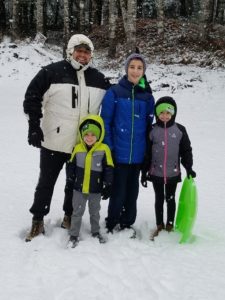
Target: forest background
194,30
168,33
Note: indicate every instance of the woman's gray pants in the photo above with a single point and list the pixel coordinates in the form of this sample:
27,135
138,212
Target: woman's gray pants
79,204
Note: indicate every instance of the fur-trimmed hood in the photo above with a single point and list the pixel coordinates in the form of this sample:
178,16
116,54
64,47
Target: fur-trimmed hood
75,40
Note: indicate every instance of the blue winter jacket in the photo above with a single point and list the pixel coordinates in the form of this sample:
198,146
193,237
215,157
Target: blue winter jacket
127,111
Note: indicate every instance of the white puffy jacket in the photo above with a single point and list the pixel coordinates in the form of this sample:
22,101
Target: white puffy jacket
61,96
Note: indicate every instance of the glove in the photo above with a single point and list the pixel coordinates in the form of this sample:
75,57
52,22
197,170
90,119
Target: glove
144,179
69,184
190,173
106,191
35,134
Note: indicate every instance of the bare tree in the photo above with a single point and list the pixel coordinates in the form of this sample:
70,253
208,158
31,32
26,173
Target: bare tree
105,13
186,7
84,15
66,29
15,20
206,15
112,28
81,14
215,4
96,11
2,18
160,16
129,9
221,11
87,15
22,18
196,9
40,16
74,15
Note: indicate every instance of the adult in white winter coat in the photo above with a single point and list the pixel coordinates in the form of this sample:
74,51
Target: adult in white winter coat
57,98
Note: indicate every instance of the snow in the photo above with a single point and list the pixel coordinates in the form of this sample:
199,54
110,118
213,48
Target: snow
123,268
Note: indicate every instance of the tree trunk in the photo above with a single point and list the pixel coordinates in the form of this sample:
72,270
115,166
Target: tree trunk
206,14
81,13
40,17
160,17
2,19
129,20
56,17
15,21
24,23
124,14
131,24
66,28
215,5
96,12
87,15
74,15
105,13
196,9
189,7
221,11
112,28
186,8
31,14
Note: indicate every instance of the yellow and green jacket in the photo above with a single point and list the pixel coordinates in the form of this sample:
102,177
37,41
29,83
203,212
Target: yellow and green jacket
90,168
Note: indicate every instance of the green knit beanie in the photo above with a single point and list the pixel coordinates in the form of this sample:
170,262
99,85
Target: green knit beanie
89,127
165,107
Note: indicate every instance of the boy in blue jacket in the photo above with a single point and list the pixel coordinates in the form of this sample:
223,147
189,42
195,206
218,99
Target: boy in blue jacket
127,111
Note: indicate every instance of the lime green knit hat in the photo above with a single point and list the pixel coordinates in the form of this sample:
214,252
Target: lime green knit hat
90,127
165,107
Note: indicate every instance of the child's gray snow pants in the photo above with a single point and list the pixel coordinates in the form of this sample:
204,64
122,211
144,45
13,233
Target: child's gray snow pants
79,204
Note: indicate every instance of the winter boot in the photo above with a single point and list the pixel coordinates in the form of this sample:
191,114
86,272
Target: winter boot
156,231
98,235
36,229
126,227
160,227
169,227
73,241
66,222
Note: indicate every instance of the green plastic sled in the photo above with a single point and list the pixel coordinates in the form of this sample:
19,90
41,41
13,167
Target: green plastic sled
187,210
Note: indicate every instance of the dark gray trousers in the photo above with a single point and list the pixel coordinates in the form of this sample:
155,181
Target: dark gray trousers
79,203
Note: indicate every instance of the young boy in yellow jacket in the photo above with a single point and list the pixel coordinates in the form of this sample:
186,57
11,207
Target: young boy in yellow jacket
90,173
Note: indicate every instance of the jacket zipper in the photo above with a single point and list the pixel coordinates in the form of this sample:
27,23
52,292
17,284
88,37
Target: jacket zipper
132,126
165,154
87,172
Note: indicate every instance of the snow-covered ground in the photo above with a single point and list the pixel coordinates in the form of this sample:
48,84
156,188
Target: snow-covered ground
122,268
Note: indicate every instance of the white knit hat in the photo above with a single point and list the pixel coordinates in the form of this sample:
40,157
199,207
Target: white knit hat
76,40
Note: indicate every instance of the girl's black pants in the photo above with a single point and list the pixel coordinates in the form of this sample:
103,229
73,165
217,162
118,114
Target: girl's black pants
165,192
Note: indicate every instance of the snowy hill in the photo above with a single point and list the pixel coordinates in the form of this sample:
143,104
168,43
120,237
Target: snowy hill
123,268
